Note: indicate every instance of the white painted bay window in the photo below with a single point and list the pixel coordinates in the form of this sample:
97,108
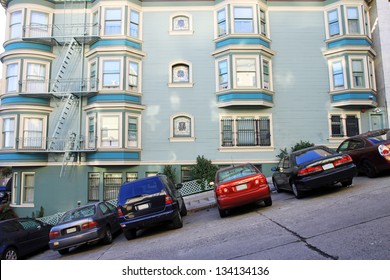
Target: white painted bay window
243,20
111,73
110,131
8,133
15,25
113,21
12,80
39,24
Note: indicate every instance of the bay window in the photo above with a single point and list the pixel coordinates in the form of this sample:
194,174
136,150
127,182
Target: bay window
243,20
109,131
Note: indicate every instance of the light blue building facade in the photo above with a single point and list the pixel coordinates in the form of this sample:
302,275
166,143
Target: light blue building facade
96,93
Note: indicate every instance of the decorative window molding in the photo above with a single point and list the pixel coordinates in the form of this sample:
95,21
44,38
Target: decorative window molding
181,24
182,128
180,74
343,125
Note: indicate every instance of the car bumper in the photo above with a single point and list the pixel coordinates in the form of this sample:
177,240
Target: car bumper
77,239
226,202
168,214
314,181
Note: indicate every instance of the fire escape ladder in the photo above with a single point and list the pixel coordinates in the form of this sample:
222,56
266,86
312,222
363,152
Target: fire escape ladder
69,149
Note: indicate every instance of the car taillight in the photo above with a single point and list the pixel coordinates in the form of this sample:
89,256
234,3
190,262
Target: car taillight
168,199
222,190
89,225
343,160
120,213
261,180
54,234
309,170
384,150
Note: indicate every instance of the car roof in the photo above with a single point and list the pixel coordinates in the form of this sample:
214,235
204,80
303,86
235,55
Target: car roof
233,166
372,133
310,148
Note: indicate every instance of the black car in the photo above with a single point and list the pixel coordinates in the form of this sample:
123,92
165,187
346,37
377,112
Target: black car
22,236
149,202
4,195
312,168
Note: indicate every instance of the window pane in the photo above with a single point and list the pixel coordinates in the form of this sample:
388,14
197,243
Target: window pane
223,74
221,22
16,25
134,24
353,20
111,73
246,72
132,132
243,20
8,133
338,76
110,131
227,132
113,21
12,77
246,64
334,28
28,188
32,132
336,126
180,73
245,132
133,74
358,73
39,24
352,123
181,23
93,186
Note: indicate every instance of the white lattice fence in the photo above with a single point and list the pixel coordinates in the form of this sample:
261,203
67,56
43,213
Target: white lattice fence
51,220
192,187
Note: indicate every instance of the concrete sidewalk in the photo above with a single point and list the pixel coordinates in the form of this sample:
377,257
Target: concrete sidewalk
205,200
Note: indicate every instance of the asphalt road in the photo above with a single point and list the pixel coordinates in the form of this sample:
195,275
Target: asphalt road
340,223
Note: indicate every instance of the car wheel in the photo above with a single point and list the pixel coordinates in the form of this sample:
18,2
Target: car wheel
10,254
183,211
107,236
130,233
296,191
346,183
223,213
177,222
63,251
276,186
369,169
268,201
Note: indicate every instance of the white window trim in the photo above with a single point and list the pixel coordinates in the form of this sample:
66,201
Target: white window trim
94,116
267,25
330,69
254,19
47,74
139,131
190,30
371,71
9,12
99,130
257,68
139,86
23,174
190,70
245,148
49,12
5,74
227,58
359,11
140,15
343,116
172,138
103,22
14,190
100,70
365,68
44,129
270,87
216,36
96,74
15,117
327,31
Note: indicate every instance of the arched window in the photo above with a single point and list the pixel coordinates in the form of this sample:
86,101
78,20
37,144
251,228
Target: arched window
181,24
182,128
180,74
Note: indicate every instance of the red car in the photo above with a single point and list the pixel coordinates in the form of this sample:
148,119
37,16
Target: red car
370,151
239,185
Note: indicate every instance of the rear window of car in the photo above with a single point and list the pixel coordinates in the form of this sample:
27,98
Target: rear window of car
235,173
378,139
78,213
140,187
311,155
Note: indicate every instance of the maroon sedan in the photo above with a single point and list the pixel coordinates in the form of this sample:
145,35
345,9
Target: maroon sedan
239,185
369,151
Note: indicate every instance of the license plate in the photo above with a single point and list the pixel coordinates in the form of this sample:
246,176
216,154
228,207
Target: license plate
241,187
142,206
328,166
71,230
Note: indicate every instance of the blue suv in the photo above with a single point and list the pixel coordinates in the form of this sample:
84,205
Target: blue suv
149,202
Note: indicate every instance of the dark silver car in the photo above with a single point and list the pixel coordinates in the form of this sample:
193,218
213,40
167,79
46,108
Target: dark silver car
85,224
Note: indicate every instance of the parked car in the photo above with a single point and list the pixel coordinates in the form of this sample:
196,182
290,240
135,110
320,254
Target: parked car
313,168
20,237
239,185
369,151
85,224
4,195
149,202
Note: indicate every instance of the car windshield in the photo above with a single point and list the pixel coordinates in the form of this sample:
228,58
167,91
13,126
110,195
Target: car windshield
311,155
78,213
236,172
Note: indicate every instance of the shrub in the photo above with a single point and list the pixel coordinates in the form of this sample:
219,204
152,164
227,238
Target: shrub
170,172
204,171
6,212
298,146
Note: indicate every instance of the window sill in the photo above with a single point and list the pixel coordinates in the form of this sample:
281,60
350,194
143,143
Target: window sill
29,205
183,32
247,149
180,85
182,139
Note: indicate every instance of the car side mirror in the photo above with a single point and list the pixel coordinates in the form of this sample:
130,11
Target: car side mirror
179,186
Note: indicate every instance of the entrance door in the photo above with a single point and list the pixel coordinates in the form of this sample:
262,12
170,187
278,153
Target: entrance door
376,122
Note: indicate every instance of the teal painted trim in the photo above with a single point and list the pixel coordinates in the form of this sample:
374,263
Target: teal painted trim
12,157
241,41
348,42
354,96
114,156
25,45
245,96
24,100
114,98
109,43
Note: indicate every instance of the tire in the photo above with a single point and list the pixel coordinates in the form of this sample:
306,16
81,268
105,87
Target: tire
63,251
369,169
346,183
276,186
107,236
298,194
223,213
130,233
177,222
183,211
268,201
10,254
